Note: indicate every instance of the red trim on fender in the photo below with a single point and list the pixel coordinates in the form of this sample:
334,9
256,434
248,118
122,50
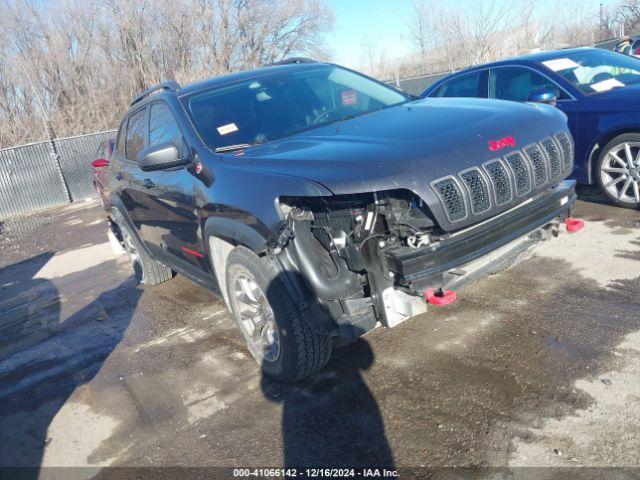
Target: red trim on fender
195,253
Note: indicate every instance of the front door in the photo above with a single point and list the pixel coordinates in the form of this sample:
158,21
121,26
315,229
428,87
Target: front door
516,83
166,217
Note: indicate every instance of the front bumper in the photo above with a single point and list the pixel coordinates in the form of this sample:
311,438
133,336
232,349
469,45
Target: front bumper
514,231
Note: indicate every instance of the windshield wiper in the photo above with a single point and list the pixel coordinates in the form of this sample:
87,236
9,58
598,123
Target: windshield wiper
238,146
230,148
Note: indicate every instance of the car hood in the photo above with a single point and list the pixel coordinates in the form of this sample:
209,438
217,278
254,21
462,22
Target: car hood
404,147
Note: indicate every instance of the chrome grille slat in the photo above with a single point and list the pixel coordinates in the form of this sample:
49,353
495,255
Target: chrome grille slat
500,179
537,159
478,189
521,173
452,198
553,155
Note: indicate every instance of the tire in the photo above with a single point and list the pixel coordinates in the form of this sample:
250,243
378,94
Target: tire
610,173
258,297
147,270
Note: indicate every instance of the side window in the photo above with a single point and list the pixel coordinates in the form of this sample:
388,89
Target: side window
465,86
162,126
516,83
135,135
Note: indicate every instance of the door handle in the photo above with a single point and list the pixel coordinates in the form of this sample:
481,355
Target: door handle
119,176
147,183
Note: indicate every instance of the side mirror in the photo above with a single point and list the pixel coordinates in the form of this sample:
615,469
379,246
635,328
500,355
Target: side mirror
99,163
159,157
543,95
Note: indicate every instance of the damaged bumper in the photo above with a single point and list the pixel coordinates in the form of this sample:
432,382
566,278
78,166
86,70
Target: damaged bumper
441,263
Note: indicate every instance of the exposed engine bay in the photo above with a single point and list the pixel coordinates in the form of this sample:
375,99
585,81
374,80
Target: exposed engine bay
371,257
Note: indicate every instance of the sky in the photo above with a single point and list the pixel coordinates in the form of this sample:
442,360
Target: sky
383,22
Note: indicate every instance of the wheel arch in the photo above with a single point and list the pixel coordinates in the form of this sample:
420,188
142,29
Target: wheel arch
118,213
596,146
220,236
234,232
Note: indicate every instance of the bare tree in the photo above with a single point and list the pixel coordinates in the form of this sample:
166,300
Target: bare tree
85,60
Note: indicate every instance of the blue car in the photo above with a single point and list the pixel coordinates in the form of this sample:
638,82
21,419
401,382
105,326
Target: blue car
598,90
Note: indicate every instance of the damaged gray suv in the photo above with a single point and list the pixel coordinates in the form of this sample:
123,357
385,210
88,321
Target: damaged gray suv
321,203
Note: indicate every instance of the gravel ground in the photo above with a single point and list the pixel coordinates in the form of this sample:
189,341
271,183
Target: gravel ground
535,367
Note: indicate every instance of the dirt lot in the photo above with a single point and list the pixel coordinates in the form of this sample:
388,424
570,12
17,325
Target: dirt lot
538,366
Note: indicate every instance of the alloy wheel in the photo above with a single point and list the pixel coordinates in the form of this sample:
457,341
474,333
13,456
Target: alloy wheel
132,252
620,172
256,318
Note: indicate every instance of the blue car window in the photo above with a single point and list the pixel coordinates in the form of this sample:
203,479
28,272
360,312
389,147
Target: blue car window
517,83
465,86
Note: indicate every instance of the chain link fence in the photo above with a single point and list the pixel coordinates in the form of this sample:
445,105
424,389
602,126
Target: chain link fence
30,179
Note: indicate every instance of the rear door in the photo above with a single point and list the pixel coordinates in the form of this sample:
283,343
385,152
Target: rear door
167,212
131,140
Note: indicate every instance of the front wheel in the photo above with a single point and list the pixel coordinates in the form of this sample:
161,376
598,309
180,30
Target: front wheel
274,329
618,170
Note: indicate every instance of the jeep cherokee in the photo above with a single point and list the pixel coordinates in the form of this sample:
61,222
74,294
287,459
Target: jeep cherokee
320,203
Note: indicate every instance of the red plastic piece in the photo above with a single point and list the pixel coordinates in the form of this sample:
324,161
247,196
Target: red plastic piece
573,224
447,297
99,163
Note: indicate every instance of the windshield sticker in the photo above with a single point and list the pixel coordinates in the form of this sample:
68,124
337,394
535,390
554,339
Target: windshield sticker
227,129
558,64
608,84
262,96
349,97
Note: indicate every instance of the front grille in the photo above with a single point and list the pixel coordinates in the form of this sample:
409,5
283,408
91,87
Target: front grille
500,180
521,172
566,148
478,189
551,149
452,198
536,157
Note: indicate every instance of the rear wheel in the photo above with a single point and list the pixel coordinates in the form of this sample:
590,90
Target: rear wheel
147,270
618,170
273,327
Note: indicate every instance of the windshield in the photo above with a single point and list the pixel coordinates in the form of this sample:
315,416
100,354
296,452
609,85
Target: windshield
596,71
284,103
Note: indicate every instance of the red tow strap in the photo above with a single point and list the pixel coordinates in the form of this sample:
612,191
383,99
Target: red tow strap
573,224
439,298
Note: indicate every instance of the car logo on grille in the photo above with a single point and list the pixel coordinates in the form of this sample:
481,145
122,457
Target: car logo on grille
502,143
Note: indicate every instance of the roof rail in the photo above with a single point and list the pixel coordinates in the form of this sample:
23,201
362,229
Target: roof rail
292,60
169,85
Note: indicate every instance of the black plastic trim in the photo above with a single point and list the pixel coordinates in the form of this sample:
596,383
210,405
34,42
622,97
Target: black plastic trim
410,265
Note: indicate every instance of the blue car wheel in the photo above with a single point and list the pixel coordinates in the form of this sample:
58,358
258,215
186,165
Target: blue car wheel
618,170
